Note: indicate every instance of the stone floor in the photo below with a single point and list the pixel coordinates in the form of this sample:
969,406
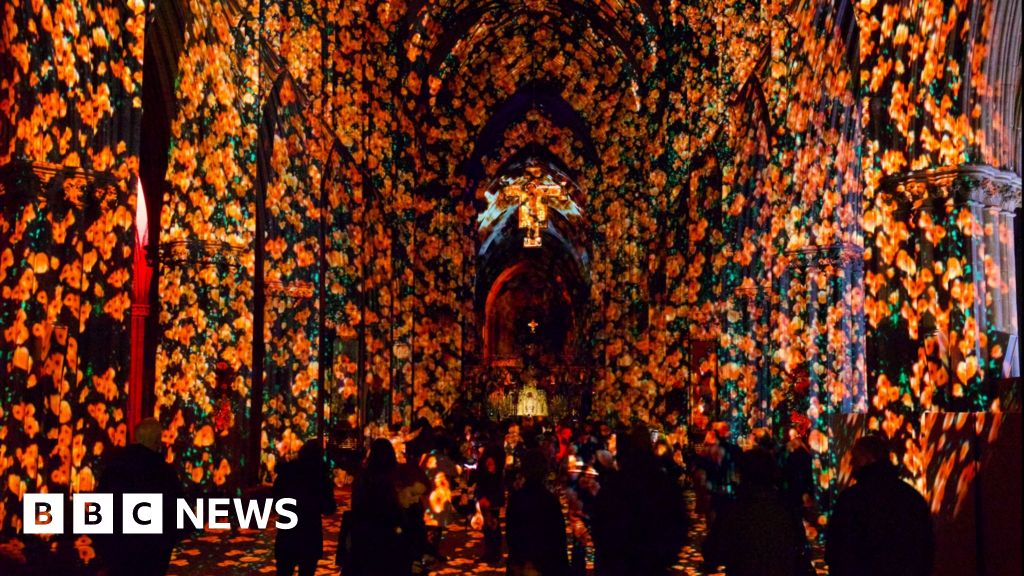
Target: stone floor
244,552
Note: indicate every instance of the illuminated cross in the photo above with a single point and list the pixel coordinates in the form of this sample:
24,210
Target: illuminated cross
533,196
533,326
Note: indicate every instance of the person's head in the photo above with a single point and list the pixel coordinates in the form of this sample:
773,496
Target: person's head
635,447
710,438
869,450
534,466
763,439
382,456
311,451
757,467
722,430
411,485
148,433
797,442
662,447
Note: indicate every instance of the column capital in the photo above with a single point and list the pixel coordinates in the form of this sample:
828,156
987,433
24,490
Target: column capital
978,183
75,185
818,256
296,289
190,251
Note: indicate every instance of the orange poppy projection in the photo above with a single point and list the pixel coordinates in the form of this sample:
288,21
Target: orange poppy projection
823,190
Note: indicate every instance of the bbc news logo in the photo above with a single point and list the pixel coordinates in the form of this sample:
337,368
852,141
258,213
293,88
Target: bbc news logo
92,513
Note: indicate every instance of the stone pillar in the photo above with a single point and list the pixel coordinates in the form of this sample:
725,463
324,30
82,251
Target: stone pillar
750,305
65,278
831,276
823,306
942,285
209,412
1008,264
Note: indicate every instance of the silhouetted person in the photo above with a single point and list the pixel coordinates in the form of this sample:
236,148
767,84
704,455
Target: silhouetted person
388,537
140,468
565,443
639,520
797,476
490,497
536,527
305,479
666,459
763,439
373,484
589,443
757,535
422,443
411,488
721,471
374,480
880,525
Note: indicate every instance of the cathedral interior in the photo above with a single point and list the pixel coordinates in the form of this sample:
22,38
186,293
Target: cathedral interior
266,222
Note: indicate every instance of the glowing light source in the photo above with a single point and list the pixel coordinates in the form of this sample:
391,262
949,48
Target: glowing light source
533,194
141,215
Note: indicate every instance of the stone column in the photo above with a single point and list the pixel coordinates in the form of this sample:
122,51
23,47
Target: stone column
136,412
952,275
993,267
833,275
1011,314
65,278
210,412
822,290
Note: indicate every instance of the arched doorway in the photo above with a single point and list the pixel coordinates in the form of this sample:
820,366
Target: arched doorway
532,288
529,312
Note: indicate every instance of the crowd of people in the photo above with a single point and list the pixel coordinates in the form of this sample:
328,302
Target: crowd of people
591,497
596,495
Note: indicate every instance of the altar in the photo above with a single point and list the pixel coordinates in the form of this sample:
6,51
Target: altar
531,401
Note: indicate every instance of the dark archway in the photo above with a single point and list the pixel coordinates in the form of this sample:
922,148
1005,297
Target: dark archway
532,299
530,310
165,36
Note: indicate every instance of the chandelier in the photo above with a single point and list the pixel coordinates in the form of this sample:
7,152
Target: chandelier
534,193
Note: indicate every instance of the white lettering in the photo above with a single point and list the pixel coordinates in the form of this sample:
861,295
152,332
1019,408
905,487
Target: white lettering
90,513
281,507
218,509
43,514
185,510
142,513
252,510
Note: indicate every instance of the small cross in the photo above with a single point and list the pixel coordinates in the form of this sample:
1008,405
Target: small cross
533,326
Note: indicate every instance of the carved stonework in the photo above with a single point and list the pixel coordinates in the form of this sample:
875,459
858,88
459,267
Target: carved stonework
814,257
43,180
191,251
966,183
980,201
294,290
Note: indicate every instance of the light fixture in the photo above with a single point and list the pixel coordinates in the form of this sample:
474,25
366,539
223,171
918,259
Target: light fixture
534,193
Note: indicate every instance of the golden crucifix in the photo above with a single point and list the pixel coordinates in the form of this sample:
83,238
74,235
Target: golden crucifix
533,326
534,194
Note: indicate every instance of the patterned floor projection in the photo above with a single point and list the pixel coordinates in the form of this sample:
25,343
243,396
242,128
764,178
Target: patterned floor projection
252,552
